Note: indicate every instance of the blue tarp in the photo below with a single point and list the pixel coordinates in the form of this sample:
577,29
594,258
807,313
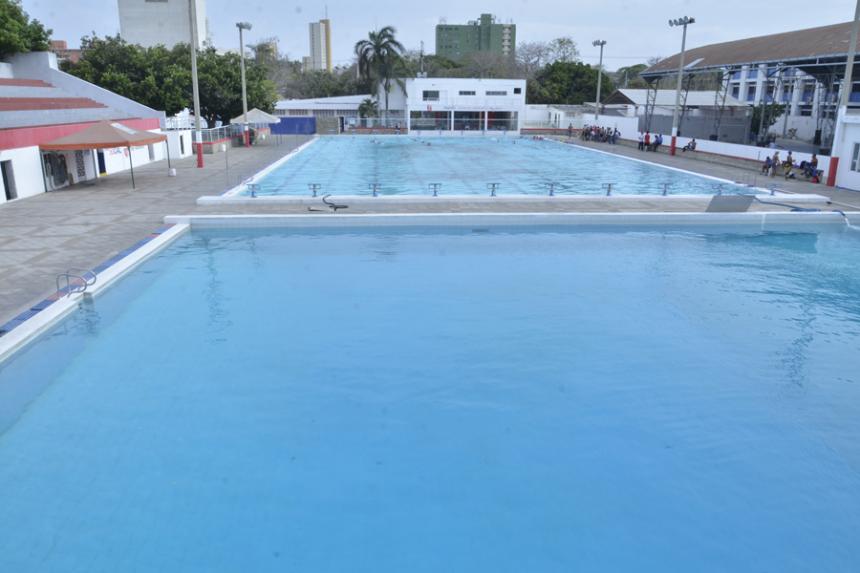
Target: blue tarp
295,126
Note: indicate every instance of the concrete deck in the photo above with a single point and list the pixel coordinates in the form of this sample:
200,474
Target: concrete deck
85,225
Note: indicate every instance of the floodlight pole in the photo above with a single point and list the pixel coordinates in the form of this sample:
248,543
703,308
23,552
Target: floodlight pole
198,134
676,116
600,43
847,86
246,135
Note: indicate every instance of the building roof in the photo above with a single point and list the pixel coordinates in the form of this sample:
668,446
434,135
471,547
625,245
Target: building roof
666,98
339,102
797,47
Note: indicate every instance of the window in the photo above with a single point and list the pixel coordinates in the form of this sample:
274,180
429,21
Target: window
181,145
431,95
855,157
518,90
467,93
497,93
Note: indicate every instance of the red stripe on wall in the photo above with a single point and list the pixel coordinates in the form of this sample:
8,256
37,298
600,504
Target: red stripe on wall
29,136
24,83
39,103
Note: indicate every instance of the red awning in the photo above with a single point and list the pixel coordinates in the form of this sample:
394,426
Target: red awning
103,135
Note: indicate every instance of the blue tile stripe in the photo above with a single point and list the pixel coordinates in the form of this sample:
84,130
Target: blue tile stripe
42,305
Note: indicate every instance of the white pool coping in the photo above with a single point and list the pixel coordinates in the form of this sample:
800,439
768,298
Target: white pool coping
235,195
31,329
429,200
758,220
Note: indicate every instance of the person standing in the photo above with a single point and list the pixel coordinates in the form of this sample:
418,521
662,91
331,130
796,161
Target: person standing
641,141
647,141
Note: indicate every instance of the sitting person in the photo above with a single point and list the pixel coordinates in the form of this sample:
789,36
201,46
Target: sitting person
691,146
767,165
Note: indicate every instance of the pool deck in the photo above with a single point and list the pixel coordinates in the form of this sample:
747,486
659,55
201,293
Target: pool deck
85,225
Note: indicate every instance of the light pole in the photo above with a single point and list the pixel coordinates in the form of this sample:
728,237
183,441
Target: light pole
600,43
685,21
198,135
246,135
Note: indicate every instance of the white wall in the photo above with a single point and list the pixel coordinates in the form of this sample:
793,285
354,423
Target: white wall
628,126
850,136
176,150
26,169
750,151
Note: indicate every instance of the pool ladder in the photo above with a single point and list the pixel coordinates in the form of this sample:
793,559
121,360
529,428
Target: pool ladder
76,281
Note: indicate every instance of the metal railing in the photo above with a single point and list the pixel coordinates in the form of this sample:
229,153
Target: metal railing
75,281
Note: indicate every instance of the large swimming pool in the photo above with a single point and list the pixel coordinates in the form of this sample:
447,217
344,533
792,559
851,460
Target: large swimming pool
402,165
446,400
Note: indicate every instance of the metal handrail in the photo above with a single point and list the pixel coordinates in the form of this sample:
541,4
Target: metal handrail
85,278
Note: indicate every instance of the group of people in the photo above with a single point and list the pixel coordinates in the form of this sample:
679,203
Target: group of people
647,142
601,134
808,169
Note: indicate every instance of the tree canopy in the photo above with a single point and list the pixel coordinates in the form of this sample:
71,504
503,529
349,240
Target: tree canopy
566,83
160,78
18,33
380,59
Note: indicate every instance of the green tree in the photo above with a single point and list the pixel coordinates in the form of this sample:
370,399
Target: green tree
18,33
380,58
368,108
160,78
771,113
628,77
571,83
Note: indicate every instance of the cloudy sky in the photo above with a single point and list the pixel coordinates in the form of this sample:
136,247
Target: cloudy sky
634,29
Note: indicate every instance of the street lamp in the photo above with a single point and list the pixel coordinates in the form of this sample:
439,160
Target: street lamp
600,43
245,134
195,89
686,20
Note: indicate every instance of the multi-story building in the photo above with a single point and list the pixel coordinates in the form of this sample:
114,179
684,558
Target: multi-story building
162,22
64,53
320,43
457,42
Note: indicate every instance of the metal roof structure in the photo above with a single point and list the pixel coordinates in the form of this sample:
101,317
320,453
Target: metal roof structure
813,50
666,98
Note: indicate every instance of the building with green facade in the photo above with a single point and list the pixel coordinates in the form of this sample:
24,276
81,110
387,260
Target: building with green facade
457,41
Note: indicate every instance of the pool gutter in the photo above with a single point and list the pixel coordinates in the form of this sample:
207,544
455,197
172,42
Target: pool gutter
758,220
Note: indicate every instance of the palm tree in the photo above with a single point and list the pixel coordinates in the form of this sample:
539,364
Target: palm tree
379,59
368,108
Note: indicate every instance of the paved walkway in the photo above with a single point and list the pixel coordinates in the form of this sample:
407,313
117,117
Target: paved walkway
85,225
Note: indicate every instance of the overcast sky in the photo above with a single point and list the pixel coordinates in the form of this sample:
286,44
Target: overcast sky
634,29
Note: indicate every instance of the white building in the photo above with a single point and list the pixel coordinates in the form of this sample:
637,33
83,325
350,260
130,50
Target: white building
320,46
457,104
41,104
165,22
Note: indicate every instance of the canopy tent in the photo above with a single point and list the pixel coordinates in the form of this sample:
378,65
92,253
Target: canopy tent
256,116
107,135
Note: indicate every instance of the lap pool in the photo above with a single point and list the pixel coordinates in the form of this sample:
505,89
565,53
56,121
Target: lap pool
405,165
446,400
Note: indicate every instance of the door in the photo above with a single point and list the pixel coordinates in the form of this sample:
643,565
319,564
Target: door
102,168
9,189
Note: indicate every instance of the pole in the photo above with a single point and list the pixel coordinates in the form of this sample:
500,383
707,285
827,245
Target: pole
847,86
600,43
246,136
198,134
131,165
167,149
676,116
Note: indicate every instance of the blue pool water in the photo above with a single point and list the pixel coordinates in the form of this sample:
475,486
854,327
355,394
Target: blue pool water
465,165
446,401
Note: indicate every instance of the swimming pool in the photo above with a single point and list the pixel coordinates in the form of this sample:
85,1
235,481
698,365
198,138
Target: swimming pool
402,165
446,399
